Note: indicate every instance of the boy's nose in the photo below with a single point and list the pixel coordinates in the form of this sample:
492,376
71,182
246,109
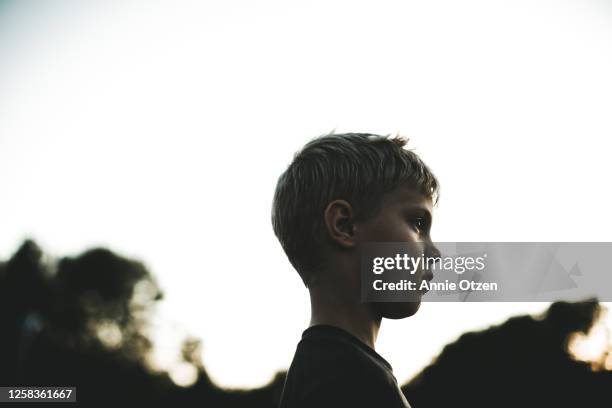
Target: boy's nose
432,251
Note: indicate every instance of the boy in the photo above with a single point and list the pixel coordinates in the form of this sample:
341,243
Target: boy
340,192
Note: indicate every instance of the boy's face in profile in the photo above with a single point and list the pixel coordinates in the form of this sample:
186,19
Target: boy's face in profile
405,215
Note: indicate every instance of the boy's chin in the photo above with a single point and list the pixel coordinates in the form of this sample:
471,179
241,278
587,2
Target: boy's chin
397,310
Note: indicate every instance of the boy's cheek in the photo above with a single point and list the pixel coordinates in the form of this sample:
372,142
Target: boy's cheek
388,231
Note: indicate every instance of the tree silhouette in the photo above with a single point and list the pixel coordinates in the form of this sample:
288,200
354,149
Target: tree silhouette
82,321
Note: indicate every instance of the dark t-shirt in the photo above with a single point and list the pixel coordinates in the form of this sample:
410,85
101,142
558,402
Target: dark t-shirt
333,368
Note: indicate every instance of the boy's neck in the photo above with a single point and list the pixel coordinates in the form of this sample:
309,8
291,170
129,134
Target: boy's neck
354,317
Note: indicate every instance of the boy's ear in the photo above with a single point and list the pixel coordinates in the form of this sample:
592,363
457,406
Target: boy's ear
339,223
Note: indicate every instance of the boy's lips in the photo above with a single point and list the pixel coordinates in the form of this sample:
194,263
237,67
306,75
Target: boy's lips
428,277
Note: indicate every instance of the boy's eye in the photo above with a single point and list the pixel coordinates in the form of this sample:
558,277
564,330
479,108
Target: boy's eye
419,223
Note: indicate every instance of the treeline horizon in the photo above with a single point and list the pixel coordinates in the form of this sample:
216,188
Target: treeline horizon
54,313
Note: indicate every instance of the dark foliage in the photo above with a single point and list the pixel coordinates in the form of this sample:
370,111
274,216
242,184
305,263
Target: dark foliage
52,314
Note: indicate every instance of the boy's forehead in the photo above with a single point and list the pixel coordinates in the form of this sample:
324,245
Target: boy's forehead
408,195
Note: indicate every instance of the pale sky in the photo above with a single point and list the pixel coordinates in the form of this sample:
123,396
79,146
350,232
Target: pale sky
159,129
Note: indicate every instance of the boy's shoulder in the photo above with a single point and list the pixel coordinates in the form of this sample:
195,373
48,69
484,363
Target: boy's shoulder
330,348
333,368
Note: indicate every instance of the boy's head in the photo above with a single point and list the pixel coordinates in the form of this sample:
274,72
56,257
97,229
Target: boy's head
342,191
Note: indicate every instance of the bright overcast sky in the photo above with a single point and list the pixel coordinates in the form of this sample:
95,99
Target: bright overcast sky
158,129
